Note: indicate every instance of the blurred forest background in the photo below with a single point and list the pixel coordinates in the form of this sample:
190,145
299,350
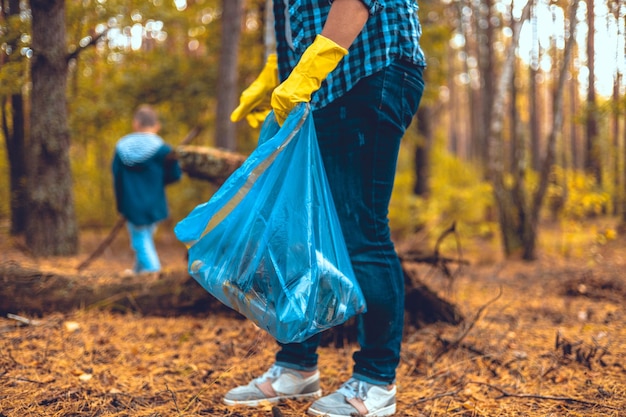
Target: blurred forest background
522,123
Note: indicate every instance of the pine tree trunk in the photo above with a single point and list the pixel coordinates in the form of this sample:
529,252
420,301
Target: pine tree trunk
16,149
618,196
623,222
514,146
574,145
227,74
533,95
51,227
477,111
454,121
592,157
511,209
620,185
424,128
15,140
530,229
487,71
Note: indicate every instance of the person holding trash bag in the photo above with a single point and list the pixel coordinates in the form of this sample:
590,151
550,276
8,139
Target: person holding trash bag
141,170
360,65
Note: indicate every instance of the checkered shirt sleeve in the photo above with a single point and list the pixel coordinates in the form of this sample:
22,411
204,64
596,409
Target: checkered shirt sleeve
392,32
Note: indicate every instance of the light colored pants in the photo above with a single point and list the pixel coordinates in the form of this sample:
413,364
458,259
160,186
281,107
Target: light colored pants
142,243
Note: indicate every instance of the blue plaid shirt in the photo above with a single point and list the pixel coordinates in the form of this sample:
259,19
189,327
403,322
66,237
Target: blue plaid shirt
392,32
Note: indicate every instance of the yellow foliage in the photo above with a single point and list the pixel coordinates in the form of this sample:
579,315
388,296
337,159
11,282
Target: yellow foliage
582,198
457,193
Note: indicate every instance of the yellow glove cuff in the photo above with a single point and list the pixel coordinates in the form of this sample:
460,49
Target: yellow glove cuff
254,95
317,61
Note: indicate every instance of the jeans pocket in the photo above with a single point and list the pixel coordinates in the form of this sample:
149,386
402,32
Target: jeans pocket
412,88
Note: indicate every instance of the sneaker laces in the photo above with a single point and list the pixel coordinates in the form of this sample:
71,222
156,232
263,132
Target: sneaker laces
354,388
272,374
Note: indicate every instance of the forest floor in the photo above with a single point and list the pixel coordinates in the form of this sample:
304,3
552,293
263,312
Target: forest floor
545,338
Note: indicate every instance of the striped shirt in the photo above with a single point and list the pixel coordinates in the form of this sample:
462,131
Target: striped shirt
392,32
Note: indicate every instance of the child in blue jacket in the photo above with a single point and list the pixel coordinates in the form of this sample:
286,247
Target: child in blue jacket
141,170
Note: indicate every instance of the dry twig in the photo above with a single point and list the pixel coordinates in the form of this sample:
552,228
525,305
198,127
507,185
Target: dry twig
436,397
449,345
436,260
504,394
173,399
23,320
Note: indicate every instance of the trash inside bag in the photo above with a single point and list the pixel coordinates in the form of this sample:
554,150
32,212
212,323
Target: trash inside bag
269,245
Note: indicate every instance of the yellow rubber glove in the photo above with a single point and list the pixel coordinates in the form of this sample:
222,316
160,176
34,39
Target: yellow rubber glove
256,93
256,117
317,61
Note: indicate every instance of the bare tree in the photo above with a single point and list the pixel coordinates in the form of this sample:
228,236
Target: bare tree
623,216
617,112
576,158
592,156
477,108
227,74
518,210
557,111
533,96
422,149
487,68
14,134
510,208
51,226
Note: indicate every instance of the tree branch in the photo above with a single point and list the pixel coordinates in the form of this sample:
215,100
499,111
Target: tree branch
91,43
451,345
435,397
505,394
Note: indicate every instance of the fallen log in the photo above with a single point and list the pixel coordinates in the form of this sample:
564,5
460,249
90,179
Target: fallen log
27,290
209,164
31,291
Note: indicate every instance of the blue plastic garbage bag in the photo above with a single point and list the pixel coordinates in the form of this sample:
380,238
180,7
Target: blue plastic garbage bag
268,243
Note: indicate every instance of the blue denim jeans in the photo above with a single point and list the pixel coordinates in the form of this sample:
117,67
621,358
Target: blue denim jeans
359,136
142,243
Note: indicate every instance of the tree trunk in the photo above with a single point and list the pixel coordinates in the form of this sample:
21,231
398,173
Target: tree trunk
623,222
533,95
269,34
424,128
511,212
16,149
476,86
592,157
227,74
51,227
15,139
487,71
618,196
454,121
574,145
514,150
557,124
620,186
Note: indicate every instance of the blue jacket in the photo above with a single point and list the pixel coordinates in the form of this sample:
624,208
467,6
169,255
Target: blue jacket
141,170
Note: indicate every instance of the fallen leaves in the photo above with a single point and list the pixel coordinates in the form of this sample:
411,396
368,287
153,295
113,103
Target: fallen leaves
527,353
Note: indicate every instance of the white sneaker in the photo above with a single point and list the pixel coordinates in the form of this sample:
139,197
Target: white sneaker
287,383
378,400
